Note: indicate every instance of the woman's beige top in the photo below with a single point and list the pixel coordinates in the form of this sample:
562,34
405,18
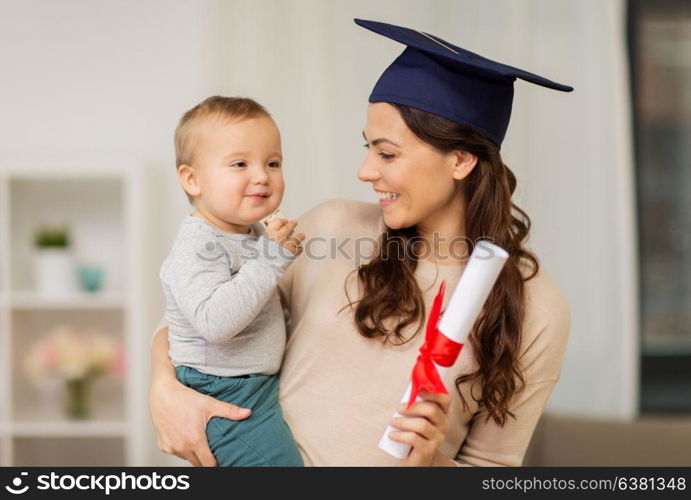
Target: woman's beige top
339,389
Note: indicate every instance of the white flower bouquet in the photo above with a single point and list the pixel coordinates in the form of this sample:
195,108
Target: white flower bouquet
77,357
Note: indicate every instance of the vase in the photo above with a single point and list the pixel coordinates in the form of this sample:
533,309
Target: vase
78,400
90,277
54,272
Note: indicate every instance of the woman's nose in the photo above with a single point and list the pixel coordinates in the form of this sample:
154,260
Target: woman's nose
368,171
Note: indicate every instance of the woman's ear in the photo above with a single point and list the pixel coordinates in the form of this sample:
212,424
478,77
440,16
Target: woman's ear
462,164
187,176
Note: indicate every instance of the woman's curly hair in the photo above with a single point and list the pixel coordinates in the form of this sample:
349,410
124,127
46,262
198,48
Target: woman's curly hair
390,292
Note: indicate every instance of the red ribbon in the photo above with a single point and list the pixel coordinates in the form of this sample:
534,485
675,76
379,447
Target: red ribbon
438,348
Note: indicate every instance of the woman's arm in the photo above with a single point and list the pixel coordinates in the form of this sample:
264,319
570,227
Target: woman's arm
490,444
180,414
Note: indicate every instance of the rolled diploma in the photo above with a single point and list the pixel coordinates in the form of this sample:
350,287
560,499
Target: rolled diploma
473,288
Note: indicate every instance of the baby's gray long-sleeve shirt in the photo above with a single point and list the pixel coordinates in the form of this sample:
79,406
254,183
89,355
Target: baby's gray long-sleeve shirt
222,303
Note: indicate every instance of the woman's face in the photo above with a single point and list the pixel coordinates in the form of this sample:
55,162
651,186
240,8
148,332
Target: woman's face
416,183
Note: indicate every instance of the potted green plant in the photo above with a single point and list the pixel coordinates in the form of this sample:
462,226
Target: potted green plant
54,267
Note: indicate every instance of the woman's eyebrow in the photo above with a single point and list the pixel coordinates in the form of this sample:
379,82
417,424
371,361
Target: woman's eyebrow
380,140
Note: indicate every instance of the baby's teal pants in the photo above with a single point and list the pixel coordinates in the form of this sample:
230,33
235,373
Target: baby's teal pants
263,439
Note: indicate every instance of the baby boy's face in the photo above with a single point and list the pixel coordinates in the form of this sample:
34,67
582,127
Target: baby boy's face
239,170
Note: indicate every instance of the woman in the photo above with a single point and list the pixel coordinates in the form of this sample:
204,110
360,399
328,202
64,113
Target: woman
435,123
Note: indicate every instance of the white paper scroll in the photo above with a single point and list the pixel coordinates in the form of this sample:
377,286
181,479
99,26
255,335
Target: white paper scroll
477,280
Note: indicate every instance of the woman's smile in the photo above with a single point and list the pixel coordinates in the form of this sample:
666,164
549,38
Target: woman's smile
386,198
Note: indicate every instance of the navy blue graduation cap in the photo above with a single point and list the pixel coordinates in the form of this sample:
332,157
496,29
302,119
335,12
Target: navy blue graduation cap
435,76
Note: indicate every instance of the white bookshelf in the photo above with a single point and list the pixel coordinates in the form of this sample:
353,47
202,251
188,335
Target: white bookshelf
101,206
82,300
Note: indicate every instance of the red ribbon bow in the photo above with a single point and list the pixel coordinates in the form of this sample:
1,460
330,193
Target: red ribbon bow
438,348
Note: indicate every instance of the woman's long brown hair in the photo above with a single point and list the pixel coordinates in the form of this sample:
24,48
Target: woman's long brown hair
391,299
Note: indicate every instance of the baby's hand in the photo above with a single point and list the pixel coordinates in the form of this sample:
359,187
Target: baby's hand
281,230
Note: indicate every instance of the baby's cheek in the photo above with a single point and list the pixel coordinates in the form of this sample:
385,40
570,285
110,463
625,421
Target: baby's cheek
276,198
228,201
279,183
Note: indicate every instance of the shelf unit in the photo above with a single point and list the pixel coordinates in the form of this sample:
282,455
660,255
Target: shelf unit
100,204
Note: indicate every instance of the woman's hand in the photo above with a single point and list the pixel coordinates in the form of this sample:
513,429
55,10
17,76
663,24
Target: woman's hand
424,426
180,414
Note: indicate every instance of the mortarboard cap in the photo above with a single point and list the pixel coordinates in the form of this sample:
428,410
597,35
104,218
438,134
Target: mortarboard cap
435,76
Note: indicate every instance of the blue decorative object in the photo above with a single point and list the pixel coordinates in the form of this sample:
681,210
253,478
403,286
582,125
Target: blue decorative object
91,277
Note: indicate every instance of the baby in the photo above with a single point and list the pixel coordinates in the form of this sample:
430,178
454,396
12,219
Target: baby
226,326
